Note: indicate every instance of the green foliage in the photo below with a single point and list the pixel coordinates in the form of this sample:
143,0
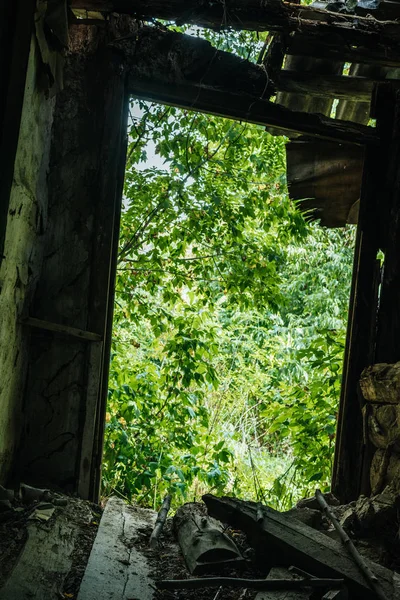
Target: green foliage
229,318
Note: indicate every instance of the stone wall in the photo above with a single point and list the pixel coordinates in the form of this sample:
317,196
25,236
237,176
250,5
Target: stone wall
380,386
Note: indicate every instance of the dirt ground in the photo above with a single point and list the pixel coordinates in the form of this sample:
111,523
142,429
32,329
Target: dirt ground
14,533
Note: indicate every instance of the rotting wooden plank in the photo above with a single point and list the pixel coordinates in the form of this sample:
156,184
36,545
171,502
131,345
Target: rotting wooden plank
114,181
254,15
171,57
281,573
359,112
75,287
275,55
388,325
321,46
117,570
251,109
298,544
352,456
325,178
93,370
62,329
326,86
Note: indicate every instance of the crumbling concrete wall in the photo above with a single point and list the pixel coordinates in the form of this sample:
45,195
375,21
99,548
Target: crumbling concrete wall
23,252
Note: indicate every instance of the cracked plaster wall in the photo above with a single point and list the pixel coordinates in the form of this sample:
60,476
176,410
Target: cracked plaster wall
22,262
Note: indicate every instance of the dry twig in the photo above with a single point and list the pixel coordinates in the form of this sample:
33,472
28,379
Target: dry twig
160,521
358,559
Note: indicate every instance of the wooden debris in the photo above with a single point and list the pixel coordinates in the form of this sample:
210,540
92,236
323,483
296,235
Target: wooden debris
202,540
298,544
251,584
117,567
31,494
312,502
245,107
227,86
358,559
62,329
321,46
281,573
259,16
308,516
325,178
160,522
336,595
325,86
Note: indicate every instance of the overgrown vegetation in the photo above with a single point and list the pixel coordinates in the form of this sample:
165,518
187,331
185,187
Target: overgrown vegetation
229,319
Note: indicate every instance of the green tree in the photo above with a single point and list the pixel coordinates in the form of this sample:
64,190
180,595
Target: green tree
229,318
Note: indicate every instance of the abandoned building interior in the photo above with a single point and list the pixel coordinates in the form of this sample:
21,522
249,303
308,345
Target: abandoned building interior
328,80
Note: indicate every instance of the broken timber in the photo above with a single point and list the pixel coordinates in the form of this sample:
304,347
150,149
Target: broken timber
327,86
255,15
298,544
247,108
117,567
358,559
282,573
251,584
208,80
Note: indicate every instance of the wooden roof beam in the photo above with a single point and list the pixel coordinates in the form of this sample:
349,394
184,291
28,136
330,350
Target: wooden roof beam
188,72
244,107
255,15
329,86
342,35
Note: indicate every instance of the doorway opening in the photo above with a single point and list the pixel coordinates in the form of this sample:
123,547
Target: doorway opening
230,318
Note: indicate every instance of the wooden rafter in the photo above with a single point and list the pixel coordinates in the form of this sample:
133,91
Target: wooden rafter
181,70
328,86
244,107
258,15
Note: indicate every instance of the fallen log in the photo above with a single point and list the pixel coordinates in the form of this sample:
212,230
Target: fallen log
203,543
292,542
